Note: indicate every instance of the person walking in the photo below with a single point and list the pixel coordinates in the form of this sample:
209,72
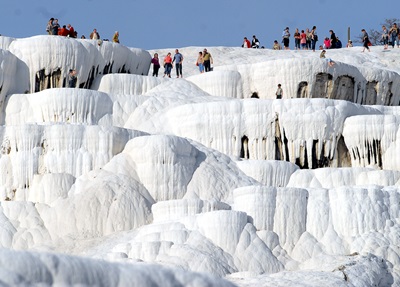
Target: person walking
394,31
200,62
156,64
385,37
279,92
207,60
178,59
365,40
167,65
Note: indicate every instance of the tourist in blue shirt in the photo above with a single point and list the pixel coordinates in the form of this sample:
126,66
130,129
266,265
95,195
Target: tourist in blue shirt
178,59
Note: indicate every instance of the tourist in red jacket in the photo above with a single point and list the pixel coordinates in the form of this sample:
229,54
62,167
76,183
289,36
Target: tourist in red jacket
246,43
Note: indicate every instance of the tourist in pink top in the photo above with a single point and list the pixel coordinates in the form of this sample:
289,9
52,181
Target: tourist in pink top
303,40
327,43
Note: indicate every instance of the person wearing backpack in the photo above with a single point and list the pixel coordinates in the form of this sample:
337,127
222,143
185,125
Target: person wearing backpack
333,40
314,38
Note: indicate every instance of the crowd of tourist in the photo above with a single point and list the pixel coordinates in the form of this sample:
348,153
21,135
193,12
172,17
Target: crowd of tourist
54,28
307,39
303,40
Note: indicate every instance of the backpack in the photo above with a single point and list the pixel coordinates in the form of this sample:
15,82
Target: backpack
315,37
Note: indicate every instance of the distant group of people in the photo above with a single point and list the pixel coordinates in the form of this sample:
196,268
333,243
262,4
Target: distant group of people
54,28
307,39
303,40
204,61
391,36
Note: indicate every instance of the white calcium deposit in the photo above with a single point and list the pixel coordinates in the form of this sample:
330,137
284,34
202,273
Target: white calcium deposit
133,180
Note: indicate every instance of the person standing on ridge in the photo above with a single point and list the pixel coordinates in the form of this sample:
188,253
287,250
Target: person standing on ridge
285,38
385,37
156,64
167,65
178,59
314,37
303,40
297,39
49,27
94,35
55,27
200,62
333,40
207,60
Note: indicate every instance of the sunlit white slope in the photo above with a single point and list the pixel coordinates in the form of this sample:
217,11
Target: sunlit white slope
75,106
21,268
126,84
175,171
